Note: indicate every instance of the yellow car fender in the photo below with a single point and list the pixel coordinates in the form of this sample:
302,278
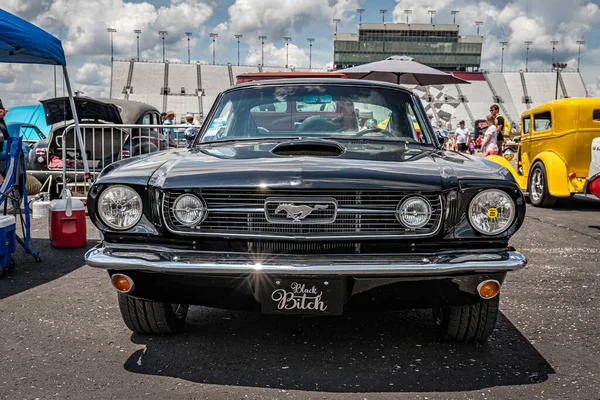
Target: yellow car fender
506,164
556,173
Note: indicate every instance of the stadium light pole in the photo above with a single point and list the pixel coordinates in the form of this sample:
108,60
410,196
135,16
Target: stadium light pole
432,13
527,43
163,34
188,34
138,32
310,41
454,12
553,43
558,67
111,31
336,21
502,62
360,12
478,23
579,42
287,39
383,12
407,12
214,37
238,37
262,39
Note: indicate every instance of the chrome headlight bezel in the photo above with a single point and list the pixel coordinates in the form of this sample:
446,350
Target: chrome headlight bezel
404,203
199,219
475,211
102,212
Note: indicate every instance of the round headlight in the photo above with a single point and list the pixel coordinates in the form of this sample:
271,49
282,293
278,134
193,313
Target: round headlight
120,207
414,212
189,210
491,212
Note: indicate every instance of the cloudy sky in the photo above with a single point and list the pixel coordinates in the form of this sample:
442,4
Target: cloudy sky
82,24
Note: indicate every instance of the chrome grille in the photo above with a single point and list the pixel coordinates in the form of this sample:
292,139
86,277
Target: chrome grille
360,214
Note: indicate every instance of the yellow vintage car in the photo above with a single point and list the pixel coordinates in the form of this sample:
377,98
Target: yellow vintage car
553,157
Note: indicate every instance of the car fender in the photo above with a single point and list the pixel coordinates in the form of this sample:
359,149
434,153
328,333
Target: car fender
556,173
521,181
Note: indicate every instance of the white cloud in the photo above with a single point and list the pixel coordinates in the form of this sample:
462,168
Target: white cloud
516,22
277,18
82,24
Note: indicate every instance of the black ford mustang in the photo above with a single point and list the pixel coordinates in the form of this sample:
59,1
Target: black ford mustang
286,204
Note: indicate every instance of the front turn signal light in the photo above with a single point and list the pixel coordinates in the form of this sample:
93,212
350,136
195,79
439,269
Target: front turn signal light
122,283
488,289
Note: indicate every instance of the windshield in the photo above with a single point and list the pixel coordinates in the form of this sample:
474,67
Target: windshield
325,111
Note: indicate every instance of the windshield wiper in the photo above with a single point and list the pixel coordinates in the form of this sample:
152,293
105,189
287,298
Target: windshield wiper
248,139
407,143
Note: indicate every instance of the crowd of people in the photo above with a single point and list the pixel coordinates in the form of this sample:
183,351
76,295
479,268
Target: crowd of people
492,140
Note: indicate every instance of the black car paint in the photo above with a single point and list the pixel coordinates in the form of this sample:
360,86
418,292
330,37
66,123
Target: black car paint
361,164
247,166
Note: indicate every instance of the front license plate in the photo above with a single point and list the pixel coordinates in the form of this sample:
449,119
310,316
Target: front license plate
303,296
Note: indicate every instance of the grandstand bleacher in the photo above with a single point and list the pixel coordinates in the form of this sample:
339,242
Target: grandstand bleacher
183,76
147,82
119,78
478,95
445,109
498,82
215,78
574,84
541,86
513,82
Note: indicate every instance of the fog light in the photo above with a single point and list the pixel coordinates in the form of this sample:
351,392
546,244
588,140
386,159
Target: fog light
122,283
488,289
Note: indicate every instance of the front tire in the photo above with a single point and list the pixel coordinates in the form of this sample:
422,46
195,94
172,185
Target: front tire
467,324
149,317
538,187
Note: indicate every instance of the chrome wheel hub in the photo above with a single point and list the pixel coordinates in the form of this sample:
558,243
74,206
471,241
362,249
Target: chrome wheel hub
537,185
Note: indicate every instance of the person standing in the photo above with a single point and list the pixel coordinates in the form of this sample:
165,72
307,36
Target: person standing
489,145
170,132
3,129
502,125
191,130
462,138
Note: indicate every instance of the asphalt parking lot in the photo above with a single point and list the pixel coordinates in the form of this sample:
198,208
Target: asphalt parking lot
62,336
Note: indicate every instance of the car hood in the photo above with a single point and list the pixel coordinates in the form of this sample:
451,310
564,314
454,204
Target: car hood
59,110
362,165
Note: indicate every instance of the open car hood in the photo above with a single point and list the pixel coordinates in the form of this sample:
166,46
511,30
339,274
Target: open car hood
59,110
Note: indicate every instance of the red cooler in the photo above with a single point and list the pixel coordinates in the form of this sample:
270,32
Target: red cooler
66,221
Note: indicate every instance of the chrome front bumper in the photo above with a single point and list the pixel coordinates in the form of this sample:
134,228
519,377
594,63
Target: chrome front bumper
173,261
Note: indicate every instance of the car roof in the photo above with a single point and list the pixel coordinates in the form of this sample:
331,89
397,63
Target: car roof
562,103
319,81
131,110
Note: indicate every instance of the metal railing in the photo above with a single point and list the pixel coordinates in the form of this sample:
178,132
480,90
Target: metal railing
105,144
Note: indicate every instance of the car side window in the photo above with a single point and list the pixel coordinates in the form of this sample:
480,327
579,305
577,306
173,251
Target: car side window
542,121
596,115
526,125
147,119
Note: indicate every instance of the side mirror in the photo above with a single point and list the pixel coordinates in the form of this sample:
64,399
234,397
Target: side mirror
442,138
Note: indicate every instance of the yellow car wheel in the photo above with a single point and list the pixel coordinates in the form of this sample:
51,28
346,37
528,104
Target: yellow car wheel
538,187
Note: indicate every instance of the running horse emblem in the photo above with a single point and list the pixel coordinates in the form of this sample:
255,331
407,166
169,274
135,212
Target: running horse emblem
298,213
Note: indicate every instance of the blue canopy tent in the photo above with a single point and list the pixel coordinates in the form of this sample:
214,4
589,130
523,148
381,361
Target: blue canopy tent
24,43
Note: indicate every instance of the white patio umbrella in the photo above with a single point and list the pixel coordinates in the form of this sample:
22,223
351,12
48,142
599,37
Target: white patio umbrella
401,70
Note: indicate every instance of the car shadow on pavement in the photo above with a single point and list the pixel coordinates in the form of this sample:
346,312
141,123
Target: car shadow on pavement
28,273
385,352
578,204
